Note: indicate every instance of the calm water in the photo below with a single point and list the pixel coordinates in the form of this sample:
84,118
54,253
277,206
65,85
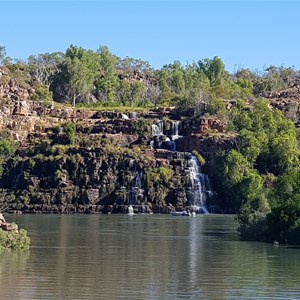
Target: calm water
145,257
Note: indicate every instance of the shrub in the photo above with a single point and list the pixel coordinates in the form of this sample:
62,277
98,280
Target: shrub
42,94
6,148
70,130
11,240
199,157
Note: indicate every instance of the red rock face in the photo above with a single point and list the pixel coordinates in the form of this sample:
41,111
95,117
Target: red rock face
211,124
288,101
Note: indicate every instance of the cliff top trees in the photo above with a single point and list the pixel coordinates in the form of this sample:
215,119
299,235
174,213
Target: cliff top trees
2,54
77,75
214,69
107,78
43,67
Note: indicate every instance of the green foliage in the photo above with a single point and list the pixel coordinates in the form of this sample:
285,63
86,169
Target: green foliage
267,138
131,93
250,145
42,94
217,107
70,131
166,174
252,219
159,176
44,67
246,87
214,69
235,168
13,240
199,157
76,77
142,127
6,148
284,218
31,163
107,79
270,144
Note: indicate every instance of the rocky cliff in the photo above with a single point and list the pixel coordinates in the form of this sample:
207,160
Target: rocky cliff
108,162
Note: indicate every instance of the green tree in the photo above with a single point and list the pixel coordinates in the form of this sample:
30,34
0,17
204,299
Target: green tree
252,219
2,54
107,79
235,167
284,154
131,92
129,65
250,145
70,132
214,69
44,67
284,218
216,107
41,93
6,148
75,81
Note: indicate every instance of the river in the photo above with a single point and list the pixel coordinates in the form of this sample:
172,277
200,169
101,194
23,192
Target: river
145,257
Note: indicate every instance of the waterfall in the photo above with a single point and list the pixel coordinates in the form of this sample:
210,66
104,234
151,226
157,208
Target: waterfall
160,140
157,133
175,126
160,125
200,185
136,190
125,117
17,179
157,129
133,115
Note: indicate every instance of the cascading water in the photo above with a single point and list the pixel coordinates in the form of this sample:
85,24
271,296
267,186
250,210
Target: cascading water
136,188
133,115
16,182
200,182
125,117
157,129
157,133
200,185
160,140
175,129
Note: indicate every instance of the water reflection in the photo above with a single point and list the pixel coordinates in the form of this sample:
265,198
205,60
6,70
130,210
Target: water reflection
145,257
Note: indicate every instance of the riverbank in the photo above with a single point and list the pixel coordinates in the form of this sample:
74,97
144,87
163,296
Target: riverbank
110,209
11,237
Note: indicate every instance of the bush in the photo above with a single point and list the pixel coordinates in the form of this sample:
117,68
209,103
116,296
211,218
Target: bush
252,219
199,157
6,148
11,240
42,94
70,130
293,234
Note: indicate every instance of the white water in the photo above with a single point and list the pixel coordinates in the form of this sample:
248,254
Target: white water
157,129
125,117
175,129
136,188
200,184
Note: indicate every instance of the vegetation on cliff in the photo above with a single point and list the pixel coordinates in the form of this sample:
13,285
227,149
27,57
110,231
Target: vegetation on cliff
78,163
86,76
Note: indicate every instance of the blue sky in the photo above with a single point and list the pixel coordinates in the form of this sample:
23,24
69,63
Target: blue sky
251,34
